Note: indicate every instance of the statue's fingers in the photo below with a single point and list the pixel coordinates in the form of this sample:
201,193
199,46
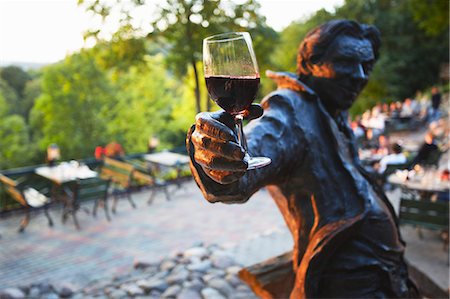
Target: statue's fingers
223,177
255,111
230,150
213,162
212,127
224,117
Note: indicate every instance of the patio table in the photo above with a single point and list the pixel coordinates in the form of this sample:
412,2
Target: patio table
62,176
167,159
367,157
429,182
65,172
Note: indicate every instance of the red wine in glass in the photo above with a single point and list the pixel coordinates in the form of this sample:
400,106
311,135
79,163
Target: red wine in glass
233,94
232,80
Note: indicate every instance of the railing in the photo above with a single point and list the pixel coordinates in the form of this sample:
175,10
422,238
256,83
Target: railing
7,204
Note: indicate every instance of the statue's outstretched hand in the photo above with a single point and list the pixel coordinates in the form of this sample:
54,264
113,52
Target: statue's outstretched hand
216,146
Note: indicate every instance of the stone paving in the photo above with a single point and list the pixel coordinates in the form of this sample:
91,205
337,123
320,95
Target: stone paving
148,233
251,232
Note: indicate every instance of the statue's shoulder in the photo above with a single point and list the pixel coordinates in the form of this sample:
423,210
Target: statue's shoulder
289,91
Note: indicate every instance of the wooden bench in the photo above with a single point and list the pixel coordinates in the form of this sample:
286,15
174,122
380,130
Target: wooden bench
143,176
425,214
120,175
28,197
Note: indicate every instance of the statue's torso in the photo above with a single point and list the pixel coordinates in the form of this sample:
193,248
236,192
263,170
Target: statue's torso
326,186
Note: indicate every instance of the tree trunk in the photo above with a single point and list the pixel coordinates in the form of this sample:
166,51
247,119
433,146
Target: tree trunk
208,103
197,87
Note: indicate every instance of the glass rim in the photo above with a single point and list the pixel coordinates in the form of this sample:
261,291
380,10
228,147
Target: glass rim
226,37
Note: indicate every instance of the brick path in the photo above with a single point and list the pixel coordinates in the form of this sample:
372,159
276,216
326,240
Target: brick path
148,233
253,232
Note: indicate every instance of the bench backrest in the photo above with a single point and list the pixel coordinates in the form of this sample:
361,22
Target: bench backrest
423,213
142,173
12,189
117,171
92,188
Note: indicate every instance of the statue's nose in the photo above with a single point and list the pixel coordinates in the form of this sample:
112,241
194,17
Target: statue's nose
359,73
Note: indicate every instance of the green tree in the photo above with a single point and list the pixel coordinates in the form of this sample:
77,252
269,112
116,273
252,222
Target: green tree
10,96
15,147
183,24
118,55
16,77
284,56
73,108
31,92
145,100
432,16
183,111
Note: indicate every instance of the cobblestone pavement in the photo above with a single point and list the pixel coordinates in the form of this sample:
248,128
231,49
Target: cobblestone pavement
148,233
252,232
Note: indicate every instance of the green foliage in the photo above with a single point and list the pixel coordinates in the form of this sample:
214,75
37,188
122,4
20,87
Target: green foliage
73,108
284,56
432,16
183,113
10,97
182,25
16,78
15,147
118,54
145,95
31,92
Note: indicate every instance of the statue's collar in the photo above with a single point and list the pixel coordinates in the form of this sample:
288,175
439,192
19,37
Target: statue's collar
290,81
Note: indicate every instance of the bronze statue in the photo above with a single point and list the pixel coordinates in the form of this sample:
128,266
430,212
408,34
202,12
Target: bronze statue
347,242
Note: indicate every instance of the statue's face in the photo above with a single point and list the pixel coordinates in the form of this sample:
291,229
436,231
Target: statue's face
341,74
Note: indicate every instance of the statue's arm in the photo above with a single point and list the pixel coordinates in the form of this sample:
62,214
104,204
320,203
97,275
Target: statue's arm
275,135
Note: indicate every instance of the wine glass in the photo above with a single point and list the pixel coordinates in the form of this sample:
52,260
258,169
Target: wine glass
232,80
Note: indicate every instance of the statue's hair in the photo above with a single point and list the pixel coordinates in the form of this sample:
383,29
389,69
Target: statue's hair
318,40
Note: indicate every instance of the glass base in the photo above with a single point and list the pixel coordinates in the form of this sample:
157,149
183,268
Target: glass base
257,162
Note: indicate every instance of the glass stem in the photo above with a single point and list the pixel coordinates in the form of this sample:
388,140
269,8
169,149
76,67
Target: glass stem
240,131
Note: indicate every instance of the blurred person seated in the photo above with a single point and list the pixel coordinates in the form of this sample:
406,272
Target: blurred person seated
53,154
426,151
99,152
415,106
436,99
114,150
377,122
407,109
394,110
358,131
385,110
370,141
397,157
365,118
383,145
153,143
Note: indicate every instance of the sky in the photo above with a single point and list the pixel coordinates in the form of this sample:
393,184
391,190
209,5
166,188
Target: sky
45,31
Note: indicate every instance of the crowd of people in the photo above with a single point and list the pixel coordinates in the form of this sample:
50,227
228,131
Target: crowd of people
423,114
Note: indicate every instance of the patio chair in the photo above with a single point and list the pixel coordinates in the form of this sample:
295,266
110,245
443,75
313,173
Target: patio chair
425,214
120,175
85,190
28,197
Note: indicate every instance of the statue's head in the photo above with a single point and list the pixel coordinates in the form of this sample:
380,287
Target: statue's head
336,59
